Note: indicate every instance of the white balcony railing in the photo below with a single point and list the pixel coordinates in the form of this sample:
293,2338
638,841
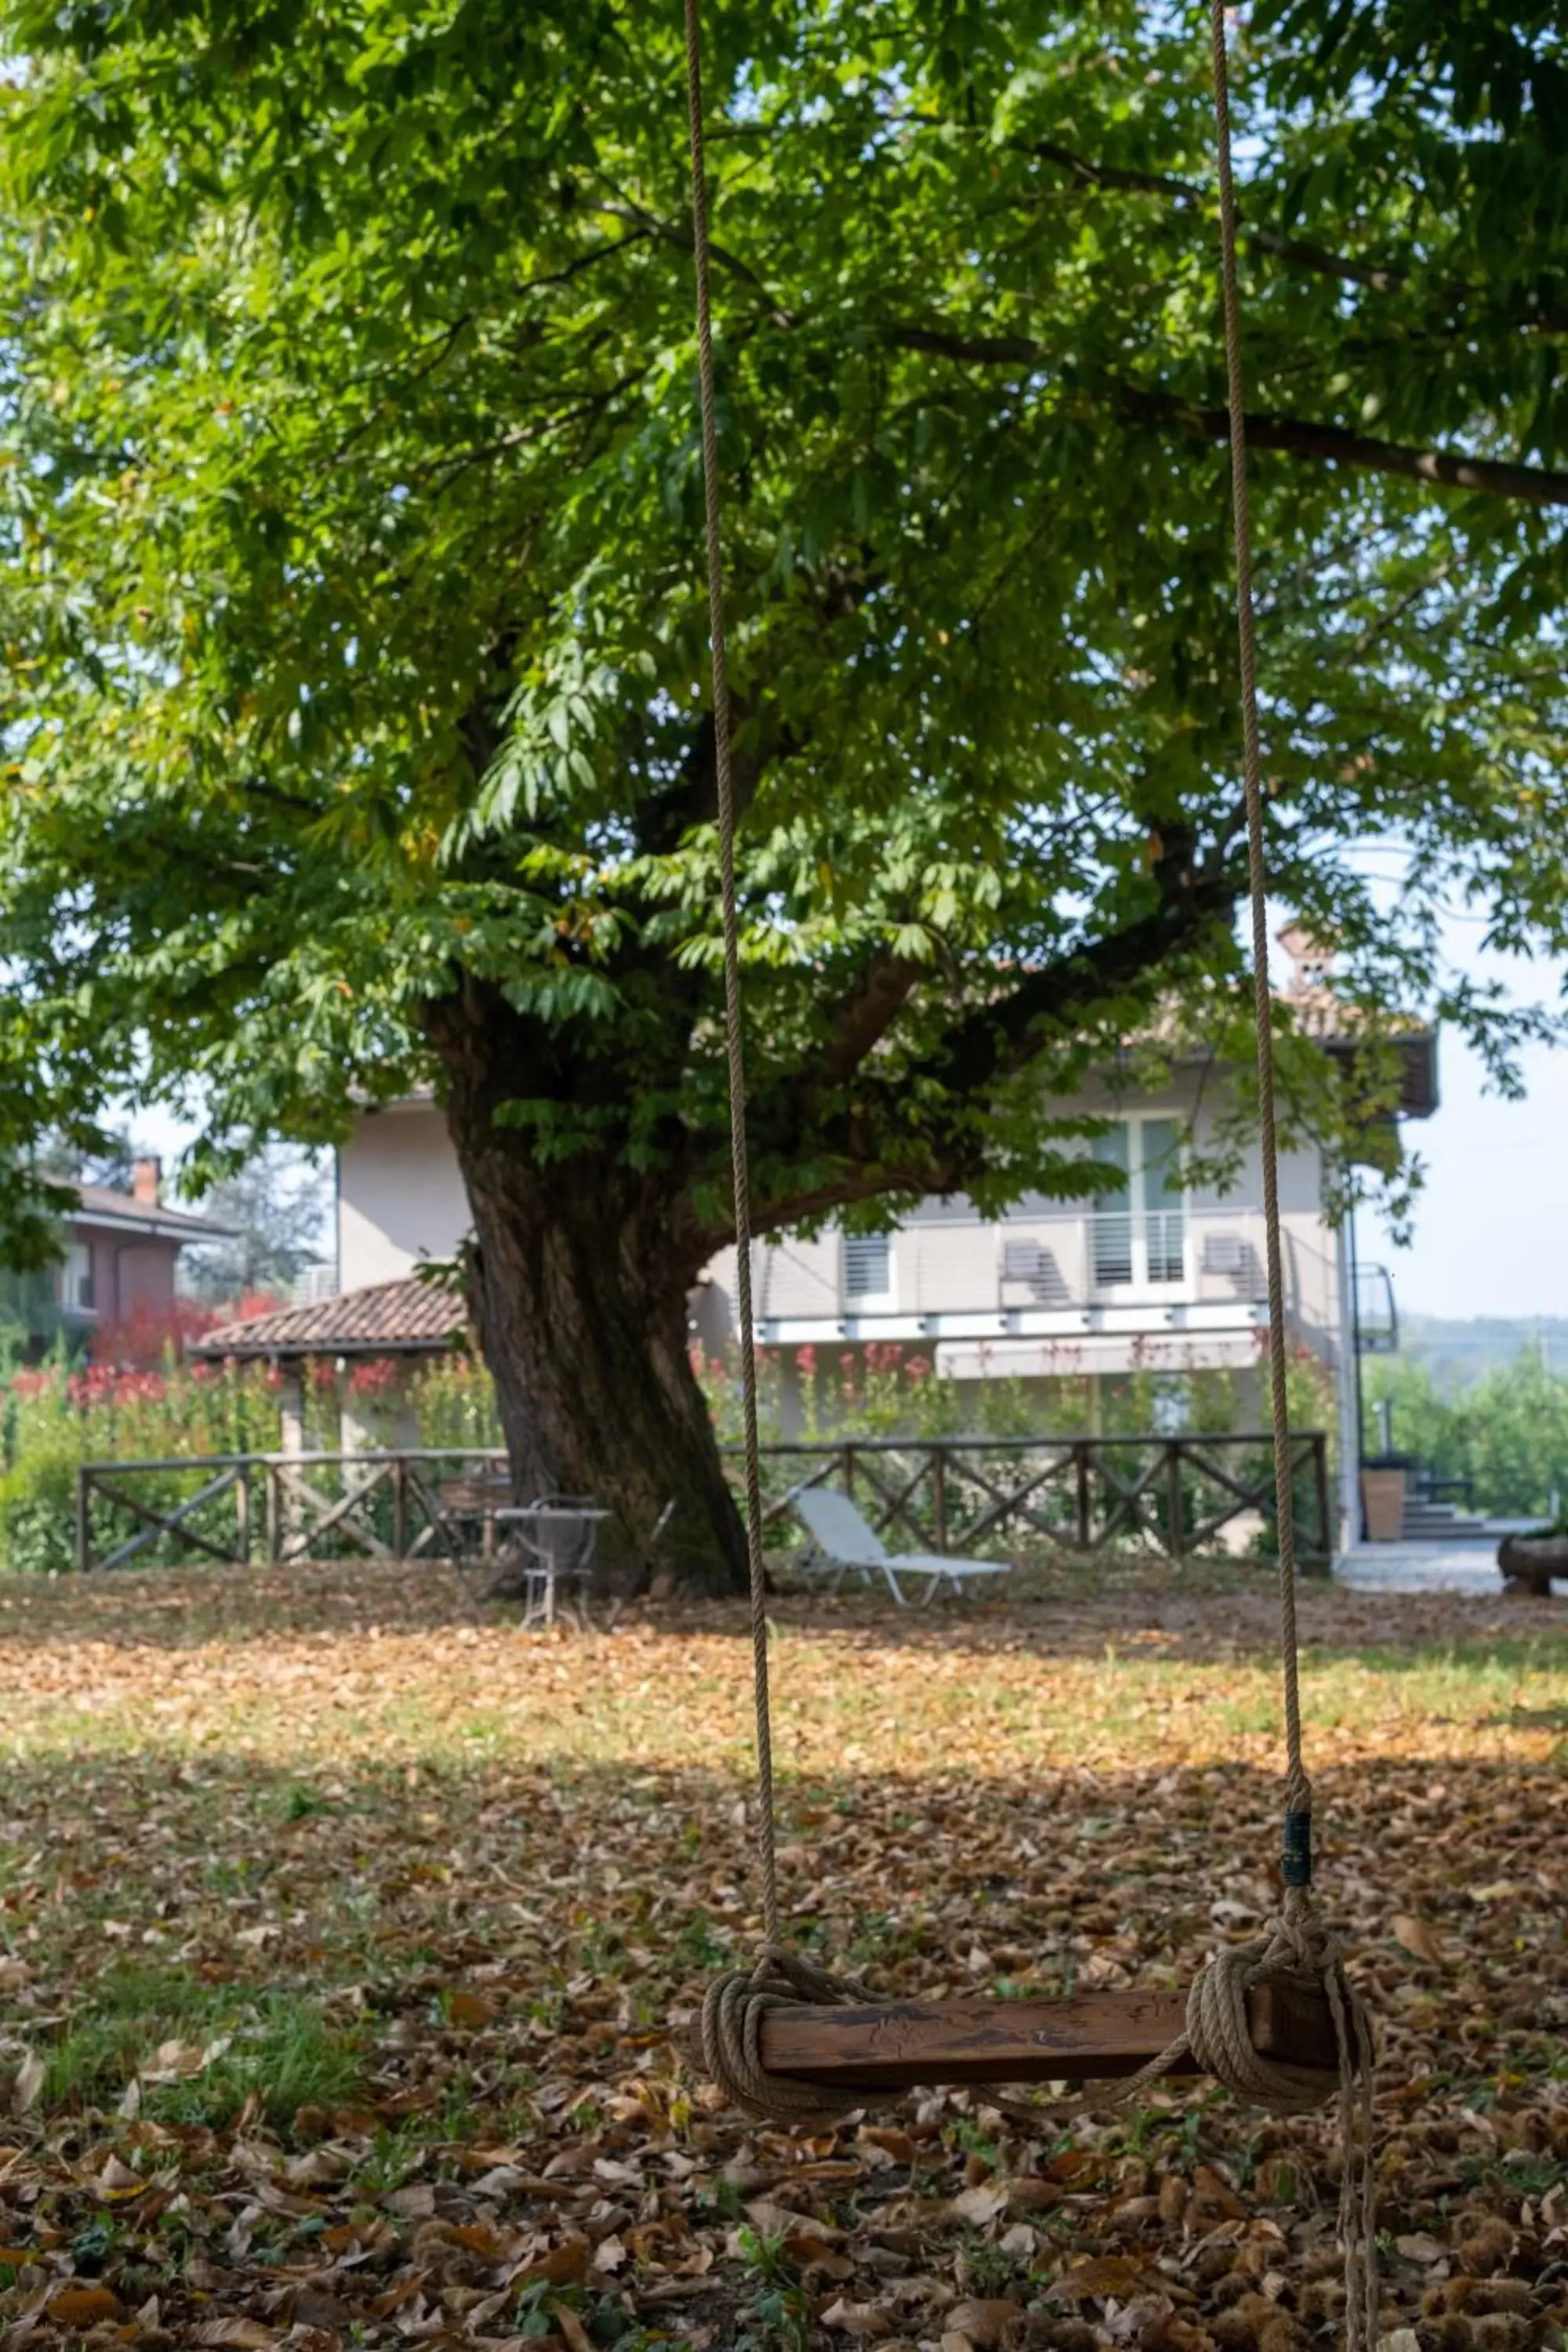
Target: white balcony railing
1072,1261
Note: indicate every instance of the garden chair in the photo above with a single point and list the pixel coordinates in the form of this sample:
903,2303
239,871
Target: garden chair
849,1546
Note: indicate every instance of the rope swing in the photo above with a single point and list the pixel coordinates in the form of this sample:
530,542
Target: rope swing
736,2005
1298,1954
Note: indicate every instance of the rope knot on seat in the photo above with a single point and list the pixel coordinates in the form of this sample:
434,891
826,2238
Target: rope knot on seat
1298,1947
731,2028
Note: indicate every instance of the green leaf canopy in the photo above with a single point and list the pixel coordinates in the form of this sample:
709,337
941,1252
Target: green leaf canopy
351,581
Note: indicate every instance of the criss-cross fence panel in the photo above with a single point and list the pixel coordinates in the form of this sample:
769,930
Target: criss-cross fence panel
963,1494
399,1504
204,1521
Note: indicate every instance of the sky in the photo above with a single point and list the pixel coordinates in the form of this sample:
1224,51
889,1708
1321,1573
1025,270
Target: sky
1491,1234
1488,1235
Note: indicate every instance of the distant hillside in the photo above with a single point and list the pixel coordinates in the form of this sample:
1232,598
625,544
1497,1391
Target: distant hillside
1455,1352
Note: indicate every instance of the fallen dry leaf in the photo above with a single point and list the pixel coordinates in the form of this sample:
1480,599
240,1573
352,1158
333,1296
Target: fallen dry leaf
1118,2274
564,2266
118,2180
983,2321
571,2328
1215,2193
465,2007
1033,2196
27,2083
979,2205
1417,1938
867,2322
772,2221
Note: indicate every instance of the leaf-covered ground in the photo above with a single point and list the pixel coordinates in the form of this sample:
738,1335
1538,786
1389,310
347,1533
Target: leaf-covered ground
349,1937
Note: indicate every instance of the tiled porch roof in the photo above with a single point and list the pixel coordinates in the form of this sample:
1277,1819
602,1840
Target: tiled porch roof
390,1318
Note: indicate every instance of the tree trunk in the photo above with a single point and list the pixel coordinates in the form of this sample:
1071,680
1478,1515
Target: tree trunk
578,1281
1532,1561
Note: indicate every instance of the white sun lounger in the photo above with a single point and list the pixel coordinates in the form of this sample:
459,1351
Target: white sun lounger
849,1546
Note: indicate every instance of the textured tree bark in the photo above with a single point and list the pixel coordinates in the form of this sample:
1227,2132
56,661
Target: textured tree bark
578,1277
1532,1561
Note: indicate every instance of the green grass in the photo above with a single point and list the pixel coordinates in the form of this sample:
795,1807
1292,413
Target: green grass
281,2048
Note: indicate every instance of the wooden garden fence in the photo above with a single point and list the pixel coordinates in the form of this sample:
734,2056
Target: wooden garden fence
1174,1494
1086,1493
406,1504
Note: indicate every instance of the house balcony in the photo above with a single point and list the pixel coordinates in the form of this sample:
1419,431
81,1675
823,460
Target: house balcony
1072,1290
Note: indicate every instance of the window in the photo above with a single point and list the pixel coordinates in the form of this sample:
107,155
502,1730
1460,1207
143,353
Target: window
76,1278
1171,1410
868,1269
1140,1237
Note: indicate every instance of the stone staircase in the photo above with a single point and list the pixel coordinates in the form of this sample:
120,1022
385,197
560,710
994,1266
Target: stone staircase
1429,1522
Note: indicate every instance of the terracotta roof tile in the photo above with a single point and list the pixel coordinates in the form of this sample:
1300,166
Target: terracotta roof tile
389,1318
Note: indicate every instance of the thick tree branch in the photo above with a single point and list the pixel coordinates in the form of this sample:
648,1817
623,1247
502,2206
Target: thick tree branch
679,235
868,1013
864,1145
1538,486
1112,175
1296,252
691,796
1301,254
989,351
997,1039
1296,437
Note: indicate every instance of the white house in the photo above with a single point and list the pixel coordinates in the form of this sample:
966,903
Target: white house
1161,1272
1158,1272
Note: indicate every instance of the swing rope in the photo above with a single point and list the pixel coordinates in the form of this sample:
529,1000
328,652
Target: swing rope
735,2004
1301,1937
1216,2040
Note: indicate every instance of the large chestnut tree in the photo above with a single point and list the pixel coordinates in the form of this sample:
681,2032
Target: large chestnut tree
354,634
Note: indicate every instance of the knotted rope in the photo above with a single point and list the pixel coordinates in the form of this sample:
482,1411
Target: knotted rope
1298,1949
1216,2039
1299,1943
731,2031
736,2005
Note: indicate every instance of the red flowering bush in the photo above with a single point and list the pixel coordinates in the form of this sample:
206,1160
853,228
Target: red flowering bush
60,1414
160,1334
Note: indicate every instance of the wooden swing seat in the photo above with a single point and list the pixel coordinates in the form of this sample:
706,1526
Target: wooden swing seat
900,2045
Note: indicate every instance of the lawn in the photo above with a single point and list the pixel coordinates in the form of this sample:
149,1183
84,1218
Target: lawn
349,1937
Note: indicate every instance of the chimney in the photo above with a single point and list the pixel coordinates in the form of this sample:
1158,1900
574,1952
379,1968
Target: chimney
1311,960
147,1182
